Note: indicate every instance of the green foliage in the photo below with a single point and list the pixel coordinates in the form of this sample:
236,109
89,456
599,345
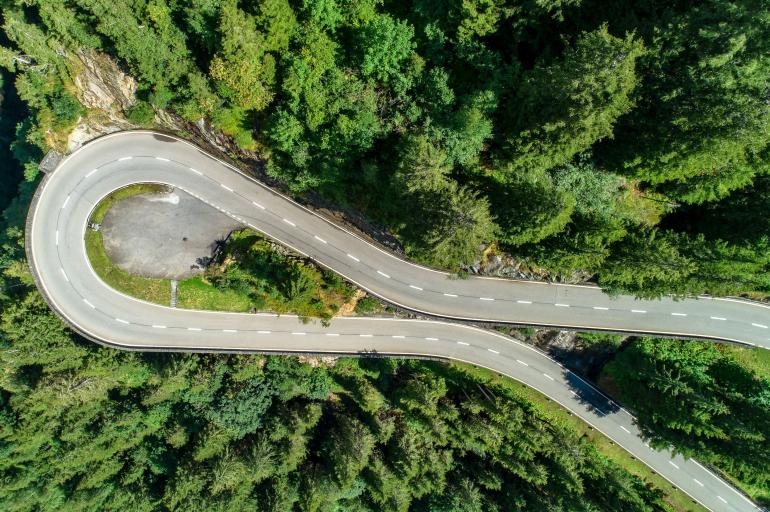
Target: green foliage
697,398
141,114
250,266
384,44
564,107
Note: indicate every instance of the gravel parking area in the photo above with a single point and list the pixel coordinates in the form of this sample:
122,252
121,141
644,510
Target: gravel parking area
170,235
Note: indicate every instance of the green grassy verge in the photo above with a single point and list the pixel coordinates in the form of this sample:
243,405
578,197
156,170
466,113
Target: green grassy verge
674,497
132,190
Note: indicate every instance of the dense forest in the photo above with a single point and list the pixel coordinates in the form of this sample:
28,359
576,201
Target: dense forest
575,135
628,140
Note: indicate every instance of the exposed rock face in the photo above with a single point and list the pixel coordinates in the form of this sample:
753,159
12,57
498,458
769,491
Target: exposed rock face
101,84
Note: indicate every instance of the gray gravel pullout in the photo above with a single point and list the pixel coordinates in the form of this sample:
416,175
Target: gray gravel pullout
168,235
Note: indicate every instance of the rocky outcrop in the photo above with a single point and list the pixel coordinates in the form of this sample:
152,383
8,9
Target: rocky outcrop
101,84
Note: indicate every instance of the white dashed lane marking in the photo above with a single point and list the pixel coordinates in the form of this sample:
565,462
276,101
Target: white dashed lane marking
493,351
521,362
299,333
89,304
332,334
398,337
450,295
672,463
63,273
383,274
290,223
159,326
432,339
720,498
57,237
638,311
196,171
547,376
463,343
697,482
194,329
415,287
524,301
226,187
761,326
91,173
67,200
486,298
720,318
122,321
625,429
123,159
561,305
264,332
161,159
601,308
229,330
678,314
258,205
319,239
353,258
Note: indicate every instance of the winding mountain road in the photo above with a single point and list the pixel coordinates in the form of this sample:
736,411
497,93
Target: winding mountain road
64,200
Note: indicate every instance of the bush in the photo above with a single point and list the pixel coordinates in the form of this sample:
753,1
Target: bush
141,114
367,305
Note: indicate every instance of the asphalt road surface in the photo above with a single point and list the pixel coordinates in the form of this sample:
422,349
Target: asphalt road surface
58,218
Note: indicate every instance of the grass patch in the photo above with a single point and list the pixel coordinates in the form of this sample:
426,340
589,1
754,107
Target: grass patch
673,496
197,293
756,360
